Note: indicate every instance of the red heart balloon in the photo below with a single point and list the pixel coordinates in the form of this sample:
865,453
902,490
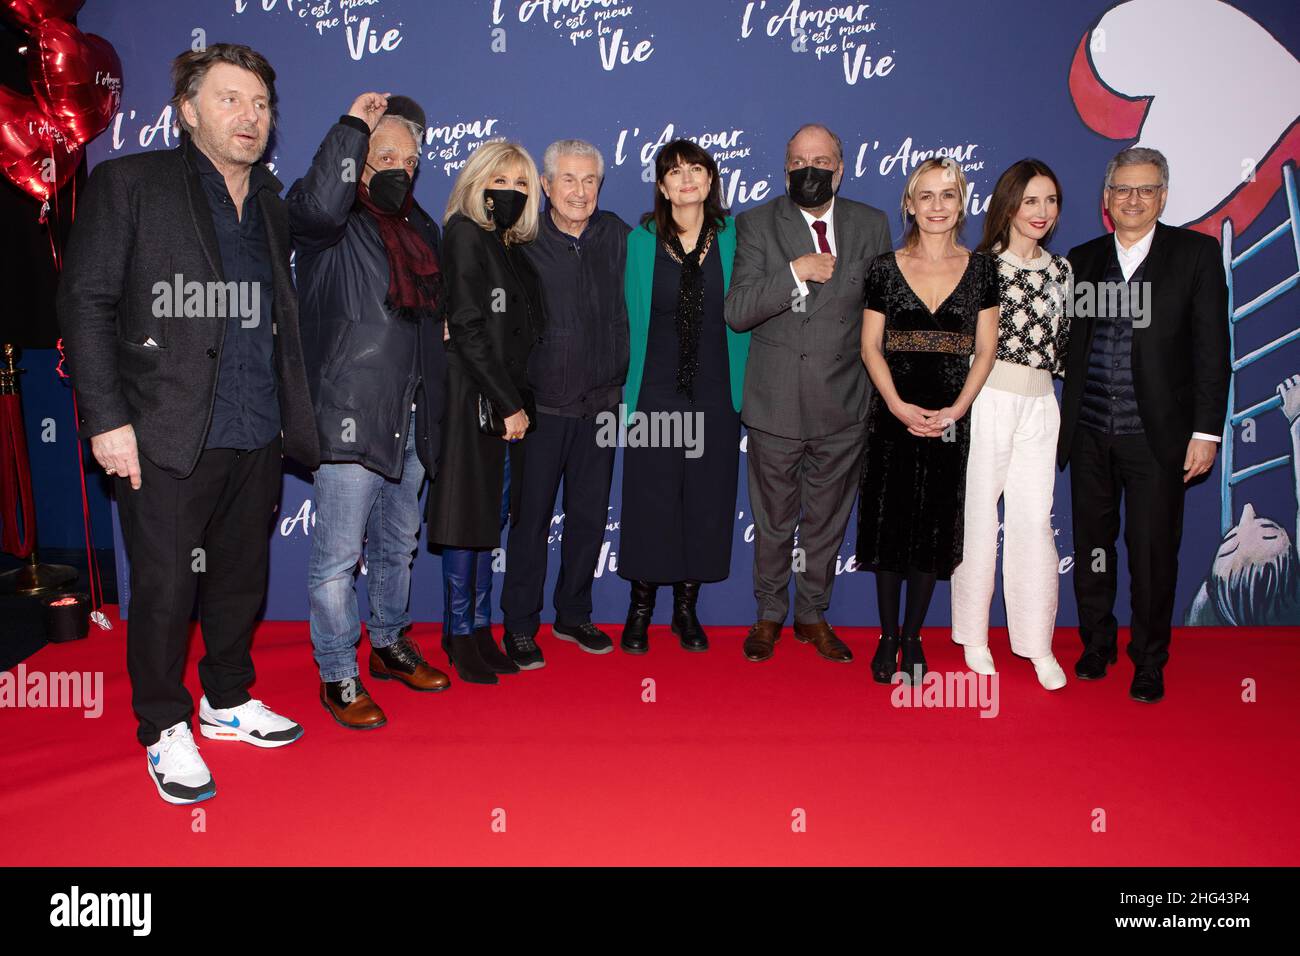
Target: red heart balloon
77,78
31,12
35,153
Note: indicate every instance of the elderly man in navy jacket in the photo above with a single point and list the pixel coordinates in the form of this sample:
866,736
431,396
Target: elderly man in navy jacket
371,301
577,369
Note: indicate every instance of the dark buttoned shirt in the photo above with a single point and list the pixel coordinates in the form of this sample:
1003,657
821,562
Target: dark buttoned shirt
246,412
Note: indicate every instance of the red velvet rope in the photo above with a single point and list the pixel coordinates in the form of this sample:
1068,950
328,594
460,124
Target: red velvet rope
15,482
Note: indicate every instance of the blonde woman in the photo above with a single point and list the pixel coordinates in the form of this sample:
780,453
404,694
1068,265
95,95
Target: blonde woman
494,314
930,307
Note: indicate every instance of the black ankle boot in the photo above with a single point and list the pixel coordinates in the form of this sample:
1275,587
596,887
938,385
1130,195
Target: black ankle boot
462,652
884,665
912,663
495,658
636,638
685,624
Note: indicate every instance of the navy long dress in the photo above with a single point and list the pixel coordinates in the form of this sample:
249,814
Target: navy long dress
913,490
678,514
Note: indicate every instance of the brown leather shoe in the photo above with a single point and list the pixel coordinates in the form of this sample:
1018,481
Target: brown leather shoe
760,643
403,661
350,705
828,645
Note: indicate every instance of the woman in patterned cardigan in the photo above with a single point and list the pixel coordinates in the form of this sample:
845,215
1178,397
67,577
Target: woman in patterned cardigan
1014,423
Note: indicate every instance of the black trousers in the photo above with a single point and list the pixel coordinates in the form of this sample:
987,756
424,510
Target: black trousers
1106,470
560,448
207,536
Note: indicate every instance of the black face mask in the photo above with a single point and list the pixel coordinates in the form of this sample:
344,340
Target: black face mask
505,206
810,187
389,189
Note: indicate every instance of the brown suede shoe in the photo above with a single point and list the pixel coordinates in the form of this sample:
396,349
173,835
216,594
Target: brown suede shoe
760,643
403,661
350,705
828,645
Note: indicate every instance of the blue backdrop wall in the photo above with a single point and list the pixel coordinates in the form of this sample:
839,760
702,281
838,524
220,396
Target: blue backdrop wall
1215,85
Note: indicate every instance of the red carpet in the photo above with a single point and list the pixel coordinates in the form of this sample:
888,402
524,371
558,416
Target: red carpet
710,773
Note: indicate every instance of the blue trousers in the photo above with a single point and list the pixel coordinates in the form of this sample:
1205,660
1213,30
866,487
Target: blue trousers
467,579
360,510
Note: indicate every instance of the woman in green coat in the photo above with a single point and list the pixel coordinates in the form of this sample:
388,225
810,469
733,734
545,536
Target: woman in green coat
682,398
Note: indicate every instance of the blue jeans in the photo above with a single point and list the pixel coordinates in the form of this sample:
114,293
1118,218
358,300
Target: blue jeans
356,506
467,579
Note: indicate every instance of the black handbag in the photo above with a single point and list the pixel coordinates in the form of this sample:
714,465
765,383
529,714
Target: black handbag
490,421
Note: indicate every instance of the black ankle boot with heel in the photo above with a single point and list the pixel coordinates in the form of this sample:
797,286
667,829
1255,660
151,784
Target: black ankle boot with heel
462,652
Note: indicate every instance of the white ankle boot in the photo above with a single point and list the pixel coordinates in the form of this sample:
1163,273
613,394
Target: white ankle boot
1049,672
979,659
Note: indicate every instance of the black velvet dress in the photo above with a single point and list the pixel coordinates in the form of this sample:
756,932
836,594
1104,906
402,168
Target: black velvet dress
913,490
679,504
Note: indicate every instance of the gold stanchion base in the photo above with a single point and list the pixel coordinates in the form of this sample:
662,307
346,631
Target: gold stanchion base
37,578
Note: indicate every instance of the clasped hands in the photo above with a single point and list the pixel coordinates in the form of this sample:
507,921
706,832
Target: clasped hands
925,422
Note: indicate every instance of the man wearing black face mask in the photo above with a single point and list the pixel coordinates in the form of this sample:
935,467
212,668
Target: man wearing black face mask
371,291
798,281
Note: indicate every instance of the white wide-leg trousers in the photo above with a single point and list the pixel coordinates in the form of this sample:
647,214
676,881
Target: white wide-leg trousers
1012,454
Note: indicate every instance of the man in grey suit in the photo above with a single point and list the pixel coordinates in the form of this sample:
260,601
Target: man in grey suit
797,283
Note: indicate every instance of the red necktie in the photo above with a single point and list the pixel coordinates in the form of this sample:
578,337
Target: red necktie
819,227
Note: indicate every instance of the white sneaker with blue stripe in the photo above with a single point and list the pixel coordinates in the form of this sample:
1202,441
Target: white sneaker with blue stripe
252,722
176,768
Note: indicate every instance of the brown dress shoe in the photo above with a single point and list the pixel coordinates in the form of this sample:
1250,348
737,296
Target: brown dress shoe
403,661
350,705
760,643
828,645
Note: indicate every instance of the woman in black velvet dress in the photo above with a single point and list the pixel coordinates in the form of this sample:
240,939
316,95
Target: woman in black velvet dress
930,306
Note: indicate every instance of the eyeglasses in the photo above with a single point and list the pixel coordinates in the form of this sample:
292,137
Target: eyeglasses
1123,192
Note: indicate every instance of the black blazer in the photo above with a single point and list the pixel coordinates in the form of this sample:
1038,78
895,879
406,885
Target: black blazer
143,221
495,312
1180,359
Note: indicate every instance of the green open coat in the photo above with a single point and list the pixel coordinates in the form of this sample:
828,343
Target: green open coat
639,285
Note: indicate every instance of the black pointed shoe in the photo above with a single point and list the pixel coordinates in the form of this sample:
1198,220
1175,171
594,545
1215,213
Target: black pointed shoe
492,655
1092,665
685,624
462,651
1148,685
884,664
636,632
911,660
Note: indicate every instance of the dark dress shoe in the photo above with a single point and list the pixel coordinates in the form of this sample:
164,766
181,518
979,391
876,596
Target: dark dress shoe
350,705
523,650
587,636
912,660
403,661
462,651
492,655
690,635
1148,685
636,632
760,643
823,638
1092,665
884,664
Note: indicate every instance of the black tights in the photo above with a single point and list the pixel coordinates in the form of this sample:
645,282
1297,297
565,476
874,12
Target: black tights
889,589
